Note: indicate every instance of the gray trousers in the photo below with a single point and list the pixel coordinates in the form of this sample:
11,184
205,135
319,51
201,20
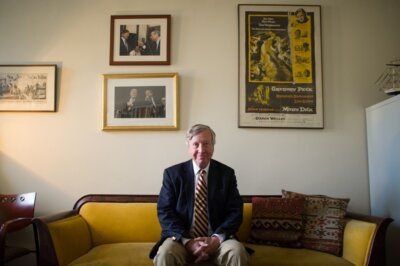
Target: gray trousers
172,253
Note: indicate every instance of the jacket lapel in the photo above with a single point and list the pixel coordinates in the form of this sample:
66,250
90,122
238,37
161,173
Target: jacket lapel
212,185
189,189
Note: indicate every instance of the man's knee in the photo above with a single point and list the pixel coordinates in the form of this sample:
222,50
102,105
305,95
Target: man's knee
232,252
170,253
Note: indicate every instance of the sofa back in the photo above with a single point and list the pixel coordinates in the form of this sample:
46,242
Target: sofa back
112,222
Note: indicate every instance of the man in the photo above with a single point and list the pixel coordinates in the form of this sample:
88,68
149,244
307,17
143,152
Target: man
179,205
131,107
152,47
150,104
155,38
127,42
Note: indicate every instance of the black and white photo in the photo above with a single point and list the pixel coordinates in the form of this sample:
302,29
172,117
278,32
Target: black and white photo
141,101
27,87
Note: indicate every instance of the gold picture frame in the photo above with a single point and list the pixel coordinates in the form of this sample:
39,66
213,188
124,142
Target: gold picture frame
141,101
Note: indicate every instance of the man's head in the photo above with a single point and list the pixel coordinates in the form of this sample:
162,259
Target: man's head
125,34
200,140
133,93
155,35
148,93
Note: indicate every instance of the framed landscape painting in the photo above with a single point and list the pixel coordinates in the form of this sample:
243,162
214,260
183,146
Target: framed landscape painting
28,88
140,40
141,102
280,68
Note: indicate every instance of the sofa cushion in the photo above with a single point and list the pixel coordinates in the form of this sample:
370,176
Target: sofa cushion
323,222
121,254
277,221
135,254
279,256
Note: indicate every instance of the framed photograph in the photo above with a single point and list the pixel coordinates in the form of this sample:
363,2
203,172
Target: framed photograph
141,102
280,71
30,88
140,40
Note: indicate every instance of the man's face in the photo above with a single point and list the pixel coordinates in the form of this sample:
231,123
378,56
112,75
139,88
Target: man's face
149,93
133,93
125,35
201,148
154,36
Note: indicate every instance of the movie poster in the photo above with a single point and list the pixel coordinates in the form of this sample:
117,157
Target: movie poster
280,83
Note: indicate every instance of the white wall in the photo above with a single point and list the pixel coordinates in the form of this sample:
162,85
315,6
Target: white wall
383,135
65,155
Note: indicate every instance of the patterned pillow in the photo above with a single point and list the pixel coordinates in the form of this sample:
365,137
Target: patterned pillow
323,222
277,221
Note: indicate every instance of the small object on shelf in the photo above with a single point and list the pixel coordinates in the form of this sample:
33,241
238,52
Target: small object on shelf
389,80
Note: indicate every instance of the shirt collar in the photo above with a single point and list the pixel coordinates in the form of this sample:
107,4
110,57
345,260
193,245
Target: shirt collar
196,168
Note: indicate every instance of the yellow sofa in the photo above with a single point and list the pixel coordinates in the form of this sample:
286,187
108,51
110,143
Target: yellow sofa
120,230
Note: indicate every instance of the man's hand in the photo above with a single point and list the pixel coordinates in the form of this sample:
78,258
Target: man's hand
212,245
197,247
202,247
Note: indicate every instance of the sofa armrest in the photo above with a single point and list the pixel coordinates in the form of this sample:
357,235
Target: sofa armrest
364,239
62,238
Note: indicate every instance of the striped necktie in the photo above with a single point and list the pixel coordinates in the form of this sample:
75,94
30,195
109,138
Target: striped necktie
200,226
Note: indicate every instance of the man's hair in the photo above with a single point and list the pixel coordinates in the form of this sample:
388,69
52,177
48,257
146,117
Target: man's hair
198,128
156,32
124,31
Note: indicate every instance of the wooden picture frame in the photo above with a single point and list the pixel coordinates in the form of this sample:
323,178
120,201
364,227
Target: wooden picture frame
280,66
28,88
140,40
141,101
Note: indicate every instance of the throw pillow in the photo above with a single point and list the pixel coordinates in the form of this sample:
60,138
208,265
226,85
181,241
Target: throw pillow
323,222
277,221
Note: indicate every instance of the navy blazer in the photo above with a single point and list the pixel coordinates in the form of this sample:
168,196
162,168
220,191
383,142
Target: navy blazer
176,202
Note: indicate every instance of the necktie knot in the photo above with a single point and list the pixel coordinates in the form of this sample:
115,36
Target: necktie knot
202,172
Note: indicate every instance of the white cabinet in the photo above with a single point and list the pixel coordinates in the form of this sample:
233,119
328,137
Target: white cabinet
383,133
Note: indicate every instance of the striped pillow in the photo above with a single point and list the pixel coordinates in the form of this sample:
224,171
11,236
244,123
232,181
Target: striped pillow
277,221
323,222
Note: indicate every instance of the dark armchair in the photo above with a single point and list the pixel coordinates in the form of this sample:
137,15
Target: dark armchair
16,213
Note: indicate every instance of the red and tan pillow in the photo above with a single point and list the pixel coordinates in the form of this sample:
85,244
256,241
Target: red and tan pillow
277,221
323,222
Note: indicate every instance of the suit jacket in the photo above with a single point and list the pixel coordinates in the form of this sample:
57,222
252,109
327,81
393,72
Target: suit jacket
131,42
176,202
152,49
123,50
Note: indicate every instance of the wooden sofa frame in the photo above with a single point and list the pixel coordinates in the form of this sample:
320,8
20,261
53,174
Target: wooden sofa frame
47,254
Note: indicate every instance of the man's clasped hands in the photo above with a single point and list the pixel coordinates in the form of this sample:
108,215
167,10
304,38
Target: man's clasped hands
202,247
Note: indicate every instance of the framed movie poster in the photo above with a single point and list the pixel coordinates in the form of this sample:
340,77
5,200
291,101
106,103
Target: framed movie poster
140,40
280,76
28,88
141,101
